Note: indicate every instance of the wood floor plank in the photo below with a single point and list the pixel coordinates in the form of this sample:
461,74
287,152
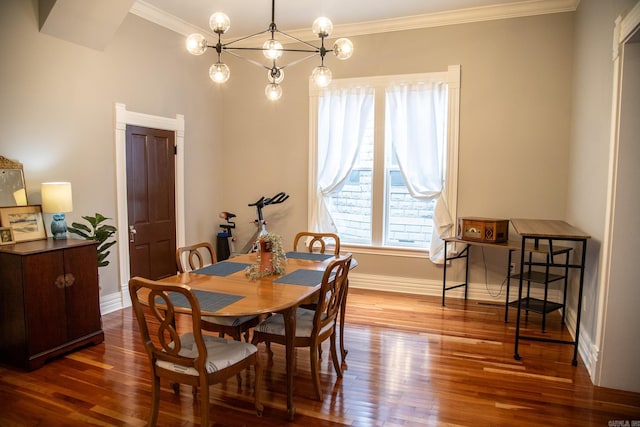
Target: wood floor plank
411,362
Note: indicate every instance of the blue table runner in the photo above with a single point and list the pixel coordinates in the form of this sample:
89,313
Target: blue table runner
309,256
209,301
223,268
302,277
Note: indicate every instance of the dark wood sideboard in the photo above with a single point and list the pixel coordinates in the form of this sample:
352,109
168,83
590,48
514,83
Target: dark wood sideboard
49,300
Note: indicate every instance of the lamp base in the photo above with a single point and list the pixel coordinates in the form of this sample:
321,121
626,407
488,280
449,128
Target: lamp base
59,226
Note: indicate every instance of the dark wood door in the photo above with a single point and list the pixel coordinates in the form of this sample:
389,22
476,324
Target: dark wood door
151,202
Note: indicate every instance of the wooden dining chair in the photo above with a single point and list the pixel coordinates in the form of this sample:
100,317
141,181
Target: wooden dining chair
194,257
321,243
316,242
313,327
192,358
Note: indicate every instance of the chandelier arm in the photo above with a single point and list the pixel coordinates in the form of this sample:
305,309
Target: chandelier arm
251,61
298,61
299,40
245,38
229,49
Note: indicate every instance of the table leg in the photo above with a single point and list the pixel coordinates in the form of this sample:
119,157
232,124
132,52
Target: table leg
290,331
444,273
506,304
516,355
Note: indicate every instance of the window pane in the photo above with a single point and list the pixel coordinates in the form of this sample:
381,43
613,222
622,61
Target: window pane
351,206
408,221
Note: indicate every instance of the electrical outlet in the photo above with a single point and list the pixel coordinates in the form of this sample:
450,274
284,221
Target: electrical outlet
512,268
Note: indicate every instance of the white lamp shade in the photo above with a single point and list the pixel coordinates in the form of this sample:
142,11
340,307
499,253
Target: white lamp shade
56,197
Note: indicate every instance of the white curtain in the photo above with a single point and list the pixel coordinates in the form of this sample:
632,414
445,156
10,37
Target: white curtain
342,120
416,117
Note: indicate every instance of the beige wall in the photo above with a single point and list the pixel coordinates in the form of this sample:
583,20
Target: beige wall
514,126
56,113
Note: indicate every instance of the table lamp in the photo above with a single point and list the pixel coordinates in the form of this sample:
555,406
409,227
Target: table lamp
56,200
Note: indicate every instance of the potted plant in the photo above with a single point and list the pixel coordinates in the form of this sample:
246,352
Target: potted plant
96,231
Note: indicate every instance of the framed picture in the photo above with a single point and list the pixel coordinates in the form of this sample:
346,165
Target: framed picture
6,236
25,222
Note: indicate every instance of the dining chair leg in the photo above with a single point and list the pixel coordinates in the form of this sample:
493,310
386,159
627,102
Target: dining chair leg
315,370
257,388
155,405
176,388
334,356
204,406
343,309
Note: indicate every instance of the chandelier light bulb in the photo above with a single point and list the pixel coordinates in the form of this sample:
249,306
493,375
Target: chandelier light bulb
272,49
219,23
321,76
196,44
219,72
343,49
275,75
273,91
322,27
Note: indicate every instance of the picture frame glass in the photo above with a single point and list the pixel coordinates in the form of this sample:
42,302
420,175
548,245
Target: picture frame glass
6,236
25,222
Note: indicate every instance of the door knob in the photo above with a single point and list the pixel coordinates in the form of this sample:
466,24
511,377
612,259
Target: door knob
132,234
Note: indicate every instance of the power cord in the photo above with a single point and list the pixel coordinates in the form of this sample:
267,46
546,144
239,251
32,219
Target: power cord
486,279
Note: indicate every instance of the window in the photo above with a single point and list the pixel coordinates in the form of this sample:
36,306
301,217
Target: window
382,149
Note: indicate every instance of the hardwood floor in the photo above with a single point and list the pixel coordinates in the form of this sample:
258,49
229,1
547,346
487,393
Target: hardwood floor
411,362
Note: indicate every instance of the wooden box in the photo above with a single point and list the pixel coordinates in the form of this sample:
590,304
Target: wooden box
490,230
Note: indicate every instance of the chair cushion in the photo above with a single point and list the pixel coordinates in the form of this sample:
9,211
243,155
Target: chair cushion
227,321
304,324
220,353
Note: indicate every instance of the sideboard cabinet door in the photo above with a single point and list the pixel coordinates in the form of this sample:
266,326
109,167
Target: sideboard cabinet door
44,305
81,296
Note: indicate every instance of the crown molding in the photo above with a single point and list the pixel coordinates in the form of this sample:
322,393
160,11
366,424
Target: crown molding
453,17
460,16
158,16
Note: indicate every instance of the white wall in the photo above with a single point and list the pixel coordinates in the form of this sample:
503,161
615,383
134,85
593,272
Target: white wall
588,175
621,338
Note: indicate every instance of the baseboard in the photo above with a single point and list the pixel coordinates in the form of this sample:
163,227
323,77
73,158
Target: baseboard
116,301
409,285
588,351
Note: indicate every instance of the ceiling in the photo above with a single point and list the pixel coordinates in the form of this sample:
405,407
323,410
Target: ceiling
350,17
93,23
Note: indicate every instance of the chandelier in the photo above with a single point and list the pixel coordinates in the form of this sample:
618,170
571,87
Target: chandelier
272,49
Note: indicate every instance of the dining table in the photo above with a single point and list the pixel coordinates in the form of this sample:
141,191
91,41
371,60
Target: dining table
224,289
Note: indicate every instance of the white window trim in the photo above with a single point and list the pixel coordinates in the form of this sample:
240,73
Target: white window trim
452,77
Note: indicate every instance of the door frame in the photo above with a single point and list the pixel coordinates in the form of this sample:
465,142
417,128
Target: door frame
625,27
124,117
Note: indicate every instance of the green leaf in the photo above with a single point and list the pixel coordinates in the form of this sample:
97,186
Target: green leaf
99,233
